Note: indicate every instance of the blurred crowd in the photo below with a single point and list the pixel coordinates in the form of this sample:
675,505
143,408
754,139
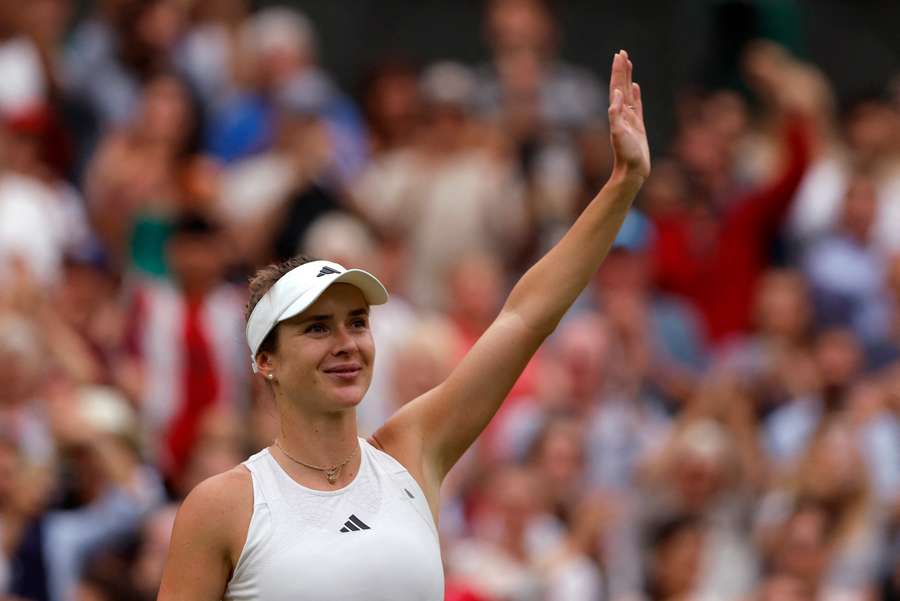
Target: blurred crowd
717,418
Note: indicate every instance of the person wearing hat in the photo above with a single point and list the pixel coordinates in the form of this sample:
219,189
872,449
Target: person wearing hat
323,514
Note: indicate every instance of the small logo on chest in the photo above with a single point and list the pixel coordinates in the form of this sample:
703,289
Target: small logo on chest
354,524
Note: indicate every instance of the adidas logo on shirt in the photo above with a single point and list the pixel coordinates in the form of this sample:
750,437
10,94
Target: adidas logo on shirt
354,524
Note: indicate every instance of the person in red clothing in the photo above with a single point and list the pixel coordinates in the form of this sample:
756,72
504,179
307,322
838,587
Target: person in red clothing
185,334
713,250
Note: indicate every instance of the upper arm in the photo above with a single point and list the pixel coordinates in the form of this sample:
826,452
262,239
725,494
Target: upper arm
429,434
209,532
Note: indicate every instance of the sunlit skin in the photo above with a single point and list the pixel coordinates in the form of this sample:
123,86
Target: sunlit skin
323,361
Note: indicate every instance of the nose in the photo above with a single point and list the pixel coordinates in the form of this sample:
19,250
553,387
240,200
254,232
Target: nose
344,343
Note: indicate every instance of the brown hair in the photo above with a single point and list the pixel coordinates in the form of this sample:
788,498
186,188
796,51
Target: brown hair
261,282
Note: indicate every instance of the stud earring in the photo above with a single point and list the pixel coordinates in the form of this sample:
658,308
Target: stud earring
270,376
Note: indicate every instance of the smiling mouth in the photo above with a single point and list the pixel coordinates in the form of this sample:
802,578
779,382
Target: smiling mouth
345,374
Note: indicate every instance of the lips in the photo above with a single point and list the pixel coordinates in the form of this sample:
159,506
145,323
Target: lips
345,372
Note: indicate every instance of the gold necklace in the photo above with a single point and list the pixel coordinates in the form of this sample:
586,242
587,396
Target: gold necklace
331,473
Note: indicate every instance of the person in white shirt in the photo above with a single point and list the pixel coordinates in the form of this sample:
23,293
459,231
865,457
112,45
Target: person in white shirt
323,514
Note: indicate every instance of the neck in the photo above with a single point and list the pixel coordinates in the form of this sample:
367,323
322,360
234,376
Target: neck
322,439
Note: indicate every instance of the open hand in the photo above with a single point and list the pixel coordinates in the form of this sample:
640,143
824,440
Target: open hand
784,82
626,120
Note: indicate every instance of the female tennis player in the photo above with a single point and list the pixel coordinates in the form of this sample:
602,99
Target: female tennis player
324,515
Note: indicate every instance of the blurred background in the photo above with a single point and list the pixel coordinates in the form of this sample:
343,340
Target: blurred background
718,416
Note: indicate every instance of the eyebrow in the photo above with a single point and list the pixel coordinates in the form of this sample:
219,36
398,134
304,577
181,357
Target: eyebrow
354,313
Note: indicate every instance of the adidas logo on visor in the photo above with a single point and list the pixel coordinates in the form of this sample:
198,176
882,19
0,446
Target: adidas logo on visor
327,270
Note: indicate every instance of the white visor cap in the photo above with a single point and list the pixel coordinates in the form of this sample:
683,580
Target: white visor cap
297,290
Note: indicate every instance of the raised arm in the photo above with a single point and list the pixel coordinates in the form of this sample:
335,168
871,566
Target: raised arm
431,433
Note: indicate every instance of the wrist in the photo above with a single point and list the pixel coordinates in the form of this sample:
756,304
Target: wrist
627,177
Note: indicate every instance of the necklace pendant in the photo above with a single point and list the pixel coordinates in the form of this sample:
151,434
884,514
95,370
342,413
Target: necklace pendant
332,474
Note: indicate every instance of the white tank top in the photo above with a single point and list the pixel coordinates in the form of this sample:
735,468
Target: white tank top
373,540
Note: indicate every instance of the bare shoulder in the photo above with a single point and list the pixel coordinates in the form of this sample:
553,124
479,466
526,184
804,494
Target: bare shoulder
218,510
209,533
227,490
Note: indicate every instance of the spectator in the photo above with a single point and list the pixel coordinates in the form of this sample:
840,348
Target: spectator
661,336
116,51
674,559
513,538
885,348
197,318
392,105
22,414
280,46
773,359
837,357
210,53
846,271
702,475
110,490
718,246
131,183
526,82
448,182
832,474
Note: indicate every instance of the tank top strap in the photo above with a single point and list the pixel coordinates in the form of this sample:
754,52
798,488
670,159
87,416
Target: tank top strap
265,484
259,531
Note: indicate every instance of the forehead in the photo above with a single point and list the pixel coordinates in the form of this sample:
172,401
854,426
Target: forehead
337,300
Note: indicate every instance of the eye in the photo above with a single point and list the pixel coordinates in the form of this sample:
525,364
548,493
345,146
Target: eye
360,323
315,328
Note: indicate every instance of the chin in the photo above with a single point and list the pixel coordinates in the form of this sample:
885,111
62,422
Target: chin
348,397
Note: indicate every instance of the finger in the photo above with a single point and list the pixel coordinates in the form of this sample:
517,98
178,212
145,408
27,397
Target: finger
615,105
638,104
616,75
629,69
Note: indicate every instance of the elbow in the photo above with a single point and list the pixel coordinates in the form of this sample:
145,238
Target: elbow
530,325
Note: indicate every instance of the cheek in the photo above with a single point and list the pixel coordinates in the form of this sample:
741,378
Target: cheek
367,348
303,358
